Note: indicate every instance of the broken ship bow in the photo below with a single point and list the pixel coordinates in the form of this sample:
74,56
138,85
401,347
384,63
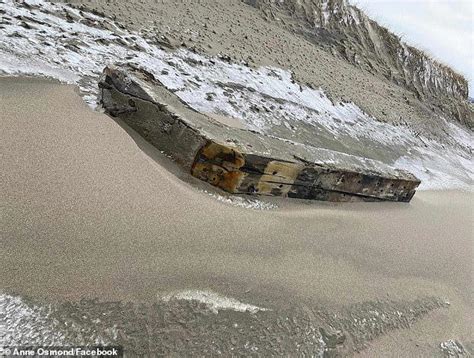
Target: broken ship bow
241,161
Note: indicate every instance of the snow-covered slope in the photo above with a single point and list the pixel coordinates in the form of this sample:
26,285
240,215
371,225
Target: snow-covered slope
349,33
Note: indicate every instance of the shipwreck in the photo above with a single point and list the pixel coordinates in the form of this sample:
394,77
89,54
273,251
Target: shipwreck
241,161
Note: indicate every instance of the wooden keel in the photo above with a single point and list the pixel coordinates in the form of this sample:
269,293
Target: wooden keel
237,160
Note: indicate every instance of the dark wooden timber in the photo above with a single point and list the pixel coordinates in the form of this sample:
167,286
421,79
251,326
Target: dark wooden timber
242,161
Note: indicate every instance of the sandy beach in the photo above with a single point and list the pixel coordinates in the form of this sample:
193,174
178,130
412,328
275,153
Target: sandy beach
89,210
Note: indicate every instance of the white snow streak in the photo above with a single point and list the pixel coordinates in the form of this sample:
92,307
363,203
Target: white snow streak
213,301
247,203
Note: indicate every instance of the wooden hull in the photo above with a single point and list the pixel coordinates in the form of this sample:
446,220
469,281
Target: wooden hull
241,161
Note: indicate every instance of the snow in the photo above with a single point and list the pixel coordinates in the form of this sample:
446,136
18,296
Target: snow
26,324
452,348
213,301
325,12
22,324
246,203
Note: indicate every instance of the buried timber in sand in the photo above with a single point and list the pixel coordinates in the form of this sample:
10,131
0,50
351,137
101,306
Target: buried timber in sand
241,161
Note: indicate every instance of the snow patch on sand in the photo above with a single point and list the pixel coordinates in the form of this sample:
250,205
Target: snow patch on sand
241,202
27,324
24,324
452,348
213,301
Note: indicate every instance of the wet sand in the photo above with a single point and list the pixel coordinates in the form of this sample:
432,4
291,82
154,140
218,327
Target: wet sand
89,210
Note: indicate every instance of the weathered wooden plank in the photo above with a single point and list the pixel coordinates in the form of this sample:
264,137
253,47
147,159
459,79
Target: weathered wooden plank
241,161
156,125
